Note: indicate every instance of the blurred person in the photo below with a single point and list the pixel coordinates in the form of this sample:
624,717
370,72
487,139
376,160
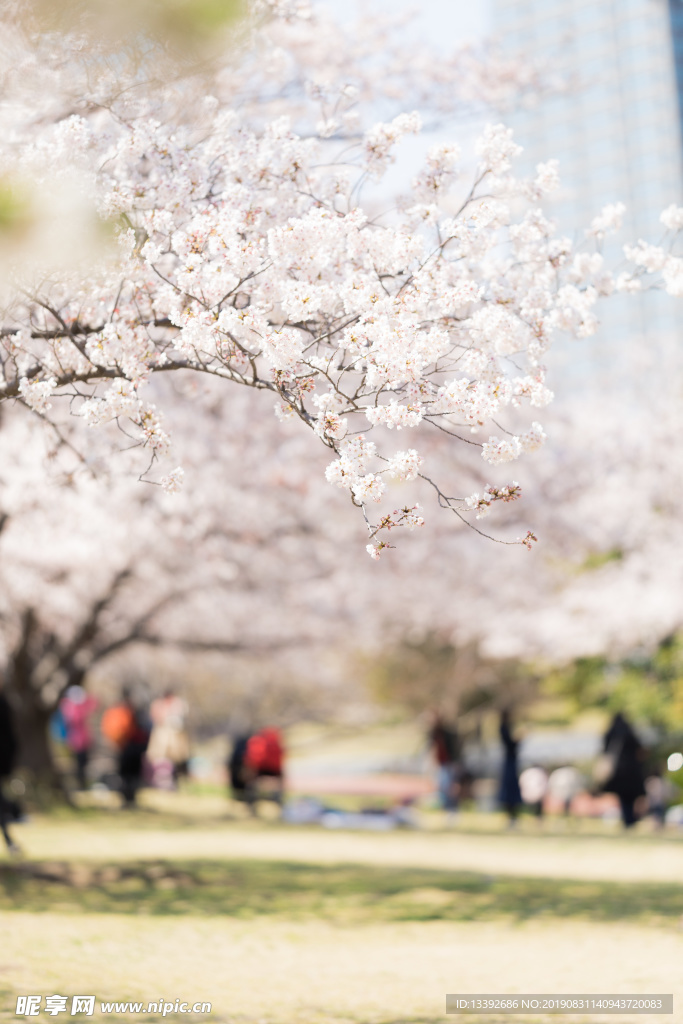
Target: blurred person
241,777
656,791
563,785
533,784
445,746
58,730
8,753
625,779
264,759
257,756
125,727
169,747
509,794
76,707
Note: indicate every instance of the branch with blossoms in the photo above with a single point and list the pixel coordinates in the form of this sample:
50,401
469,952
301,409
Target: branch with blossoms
481,503
244,254
407,516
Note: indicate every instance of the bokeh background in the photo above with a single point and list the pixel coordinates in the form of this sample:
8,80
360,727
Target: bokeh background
367,891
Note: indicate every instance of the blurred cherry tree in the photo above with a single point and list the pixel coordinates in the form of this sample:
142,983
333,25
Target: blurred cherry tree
195,197
92,564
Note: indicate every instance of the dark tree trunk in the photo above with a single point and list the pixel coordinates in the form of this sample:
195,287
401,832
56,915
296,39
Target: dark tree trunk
31,713
33,725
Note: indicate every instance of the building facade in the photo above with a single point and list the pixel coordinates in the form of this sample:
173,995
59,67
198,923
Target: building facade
615,128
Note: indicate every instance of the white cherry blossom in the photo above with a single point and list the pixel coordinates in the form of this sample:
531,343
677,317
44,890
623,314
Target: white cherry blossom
237,244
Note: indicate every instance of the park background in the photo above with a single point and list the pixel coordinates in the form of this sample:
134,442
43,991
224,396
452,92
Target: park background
189,895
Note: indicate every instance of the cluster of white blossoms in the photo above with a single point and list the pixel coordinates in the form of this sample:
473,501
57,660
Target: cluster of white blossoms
506,450
658,263
244,253
174,481
349,470
36,393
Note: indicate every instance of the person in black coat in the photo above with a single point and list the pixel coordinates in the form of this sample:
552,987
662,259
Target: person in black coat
626,777
132,753
509,795
241,778
8,753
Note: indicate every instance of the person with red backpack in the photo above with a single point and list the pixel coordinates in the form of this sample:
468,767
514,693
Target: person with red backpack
257,756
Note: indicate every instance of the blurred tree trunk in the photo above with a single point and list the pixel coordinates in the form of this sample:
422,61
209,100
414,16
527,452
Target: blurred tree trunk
33,732
32,712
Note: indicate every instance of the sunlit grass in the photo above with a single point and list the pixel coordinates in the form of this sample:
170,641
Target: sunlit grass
189,897
349,894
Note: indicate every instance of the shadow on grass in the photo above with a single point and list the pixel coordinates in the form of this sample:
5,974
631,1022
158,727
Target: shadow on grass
344,894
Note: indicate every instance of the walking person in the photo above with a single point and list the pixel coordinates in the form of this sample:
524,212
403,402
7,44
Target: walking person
444,742
76,708
509,794
169,747
124,726
622,747
242,778
8,753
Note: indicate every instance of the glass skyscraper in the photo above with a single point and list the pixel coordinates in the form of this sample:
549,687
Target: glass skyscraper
676,22
615,127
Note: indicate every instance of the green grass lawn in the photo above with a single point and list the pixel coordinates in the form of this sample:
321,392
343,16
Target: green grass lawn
355,894
280,925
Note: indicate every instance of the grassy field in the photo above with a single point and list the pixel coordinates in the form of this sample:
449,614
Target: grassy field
279,924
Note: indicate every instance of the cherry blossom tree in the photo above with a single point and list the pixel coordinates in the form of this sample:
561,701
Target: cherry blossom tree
608,579
604,579
172,224
245,251
246,562
93,565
